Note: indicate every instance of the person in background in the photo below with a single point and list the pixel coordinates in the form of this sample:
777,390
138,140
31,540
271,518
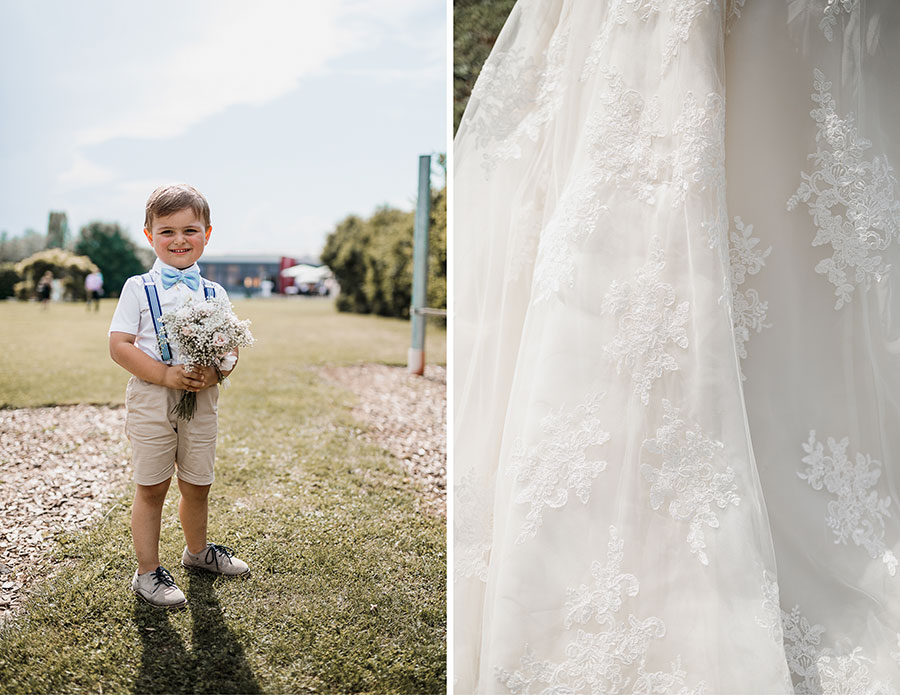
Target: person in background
93,286
44,287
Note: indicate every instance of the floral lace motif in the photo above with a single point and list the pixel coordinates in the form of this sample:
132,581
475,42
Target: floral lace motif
648,320
610,660
576,215
732,13
516,97
824,671
699,160
748,312
842,179
625,140
682,14
770,620
833,8
621,139
857,514
471,528
692,476
565,458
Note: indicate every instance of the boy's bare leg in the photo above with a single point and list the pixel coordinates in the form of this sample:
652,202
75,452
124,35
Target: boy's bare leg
146,514
193,511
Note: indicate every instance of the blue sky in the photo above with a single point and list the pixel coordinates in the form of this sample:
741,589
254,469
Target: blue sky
287,115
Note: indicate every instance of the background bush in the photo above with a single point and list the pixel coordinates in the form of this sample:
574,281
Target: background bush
65,265
372,260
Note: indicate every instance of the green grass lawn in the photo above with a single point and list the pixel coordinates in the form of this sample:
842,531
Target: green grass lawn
347,590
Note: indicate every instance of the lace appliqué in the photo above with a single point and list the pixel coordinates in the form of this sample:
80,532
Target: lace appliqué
857,514
682,14
819,670
565,458
748,312
833,8
842,179
732,13
770,620
516,97
575,217
610,660
692,477
472,523
648,320
699,160
621,139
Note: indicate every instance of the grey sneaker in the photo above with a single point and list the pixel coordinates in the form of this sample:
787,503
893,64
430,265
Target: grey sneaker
216,558
158,589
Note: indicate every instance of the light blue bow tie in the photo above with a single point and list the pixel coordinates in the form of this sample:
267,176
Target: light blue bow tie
171,277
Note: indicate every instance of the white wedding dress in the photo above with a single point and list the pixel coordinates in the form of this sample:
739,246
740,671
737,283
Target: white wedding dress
676,329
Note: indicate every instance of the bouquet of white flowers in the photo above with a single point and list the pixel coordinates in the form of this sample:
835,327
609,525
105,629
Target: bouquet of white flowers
205,333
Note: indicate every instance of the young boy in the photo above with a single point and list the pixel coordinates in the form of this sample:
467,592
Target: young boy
177,225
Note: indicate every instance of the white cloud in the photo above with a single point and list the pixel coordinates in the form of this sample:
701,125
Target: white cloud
240,53
84,172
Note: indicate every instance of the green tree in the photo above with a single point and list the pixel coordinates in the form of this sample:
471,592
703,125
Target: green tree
114,253
344,253
63,264
372,260
8,279
476,24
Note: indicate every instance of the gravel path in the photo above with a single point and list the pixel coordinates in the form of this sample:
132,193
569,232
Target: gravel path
407,415
60,467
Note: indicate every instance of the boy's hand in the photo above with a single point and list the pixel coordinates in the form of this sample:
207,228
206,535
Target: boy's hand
178,377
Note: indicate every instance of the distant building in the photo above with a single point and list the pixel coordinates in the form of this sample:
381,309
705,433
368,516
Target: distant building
57,230
242,274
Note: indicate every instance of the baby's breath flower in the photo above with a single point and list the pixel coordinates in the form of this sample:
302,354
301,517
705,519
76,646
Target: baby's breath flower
204,332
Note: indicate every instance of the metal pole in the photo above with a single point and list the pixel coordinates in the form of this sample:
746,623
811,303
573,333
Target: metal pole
415,359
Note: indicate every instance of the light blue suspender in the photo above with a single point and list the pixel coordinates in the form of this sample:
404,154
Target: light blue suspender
209,291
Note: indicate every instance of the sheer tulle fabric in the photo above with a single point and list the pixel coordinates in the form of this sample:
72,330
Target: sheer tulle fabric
676,350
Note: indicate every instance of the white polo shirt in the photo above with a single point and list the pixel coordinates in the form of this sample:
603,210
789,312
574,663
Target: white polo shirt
133,316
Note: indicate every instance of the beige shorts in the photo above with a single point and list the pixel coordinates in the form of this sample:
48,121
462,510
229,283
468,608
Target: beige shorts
160,441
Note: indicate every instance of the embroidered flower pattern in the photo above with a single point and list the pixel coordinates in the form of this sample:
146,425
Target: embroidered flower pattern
610,659
748,312
857,513
692,477
648,320
626,141
565,458
770,620
621,139
576,216
683,14
680,18
851,200
514,97
833,8
817,670
699,159
472,527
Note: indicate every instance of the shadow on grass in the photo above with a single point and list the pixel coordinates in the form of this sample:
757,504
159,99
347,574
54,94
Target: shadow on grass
215,662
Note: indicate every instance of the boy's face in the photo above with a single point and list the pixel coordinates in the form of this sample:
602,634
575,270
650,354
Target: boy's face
178,239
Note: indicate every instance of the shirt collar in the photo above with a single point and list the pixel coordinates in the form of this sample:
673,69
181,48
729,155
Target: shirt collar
158,266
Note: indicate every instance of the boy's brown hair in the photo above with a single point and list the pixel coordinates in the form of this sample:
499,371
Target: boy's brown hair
173,197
